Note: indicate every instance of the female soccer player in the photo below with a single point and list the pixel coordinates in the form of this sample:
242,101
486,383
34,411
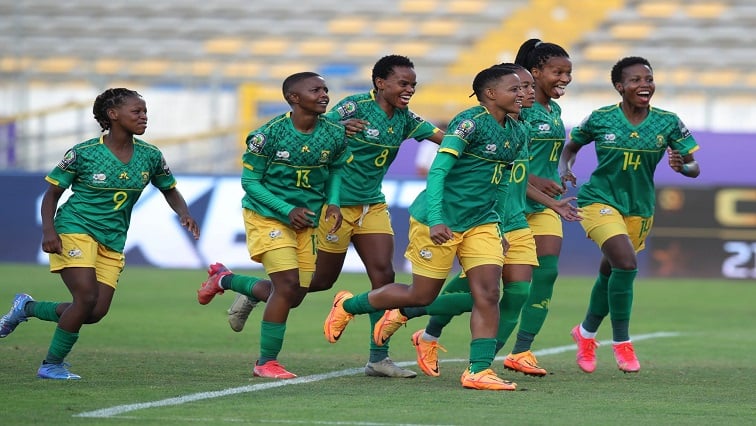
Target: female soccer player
86,236
446,222
292,168
618,200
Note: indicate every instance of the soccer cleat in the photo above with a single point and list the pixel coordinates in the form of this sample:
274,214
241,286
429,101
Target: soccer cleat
387,368
239,312
486,380
211,286
387,326
586,350
625,356
56,372
272,370
16,315
338,318
525,363
427,354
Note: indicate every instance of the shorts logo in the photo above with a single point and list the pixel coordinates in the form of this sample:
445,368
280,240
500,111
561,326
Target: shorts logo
332,238
426,254
75,253
276,233
605,211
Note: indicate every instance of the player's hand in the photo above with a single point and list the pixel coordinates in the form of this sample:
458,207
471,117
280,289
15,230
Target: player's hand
191,225
333,214
354,126
301,218
567,211
51,242
675,160
440,234
547,186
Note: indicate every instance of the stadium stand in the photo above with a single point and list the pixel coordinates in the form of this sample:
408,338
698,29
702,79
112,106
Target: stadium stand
698,47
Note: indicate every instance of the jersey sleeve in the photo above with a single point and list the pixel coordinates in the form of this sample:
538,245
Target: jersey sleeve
64,173
682,140
419,129
162,178
582,134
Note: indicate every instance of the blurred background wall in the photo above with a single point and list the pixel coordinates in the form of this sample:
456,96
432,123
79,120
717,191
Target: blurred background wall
212,71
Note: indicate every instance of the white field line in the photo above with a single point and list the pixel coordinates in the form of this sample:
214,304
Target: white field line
120,409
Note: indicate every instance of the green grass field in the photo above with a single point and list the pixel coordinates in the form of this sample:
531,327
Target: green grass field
161,358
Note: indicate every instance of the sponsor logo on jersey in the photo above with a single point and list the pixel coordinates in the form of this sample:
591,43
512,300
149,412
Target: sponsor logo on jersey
464,128
124,176
372,133
491,148
416,117
283,155
68,158
347,110
99,177
256,143
426,254
544,127
610,138
634,135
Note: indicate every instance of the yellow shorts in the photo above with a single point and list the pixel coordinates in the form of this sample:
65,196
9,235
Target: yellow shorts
277,246
602,222
480,245
83,251
366,219
522,248
546,222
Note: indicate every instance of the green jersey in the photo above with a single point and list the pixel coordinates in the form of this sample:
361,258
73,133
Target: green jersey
627,156
291,167
547,134
516,176
105,189
374,148
468,195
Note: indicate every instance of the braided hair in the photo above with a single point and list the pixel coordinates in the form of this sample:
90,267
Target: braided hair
534,53
111,98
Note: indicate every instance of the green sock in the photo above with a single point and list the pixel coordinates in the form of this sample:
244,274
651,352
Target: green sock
482,352
510,306
598,308
450,304
241,284
42,310
61,345
377,353
457,284
271,340
537,306
436,324
414,312
620,290
359,304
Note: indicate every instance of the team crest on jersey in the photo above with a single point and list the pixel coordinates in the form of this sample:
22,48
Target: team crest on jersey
68,158
464,128
74,253
605,211
283,155
544,127
347,109
324,156
332,238
276,233
416,117
256,143
610,138
660,141
426,254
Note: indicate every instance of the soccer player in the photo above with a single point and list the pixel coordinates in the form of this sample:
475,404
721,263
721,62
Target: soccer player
551,68
378,122
446,222
86,236
618,200
292,167
517,271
